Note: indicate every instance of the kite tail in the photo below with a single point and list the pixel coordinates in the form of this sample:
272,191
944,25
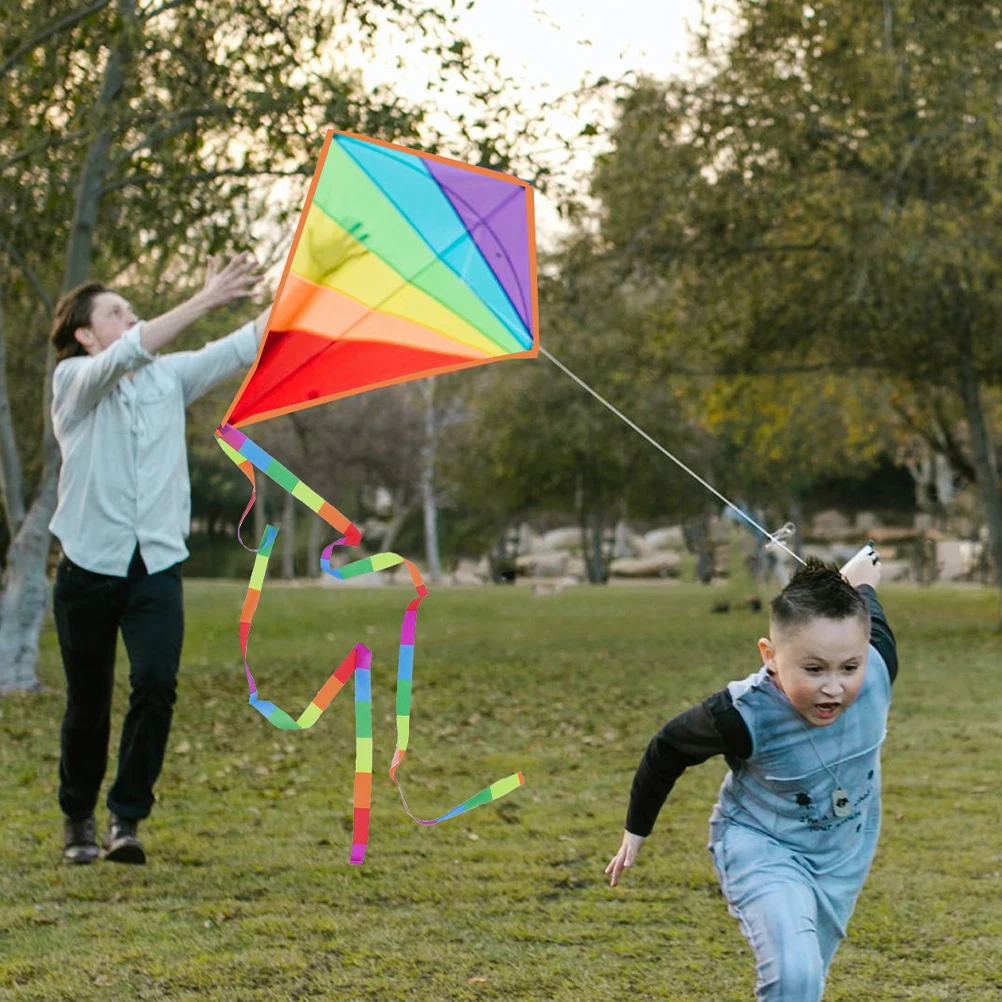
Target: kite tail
247,456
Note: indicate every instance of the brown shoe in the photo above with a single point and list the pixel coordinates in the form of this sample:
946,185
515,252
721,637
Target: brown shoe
80,840
121,844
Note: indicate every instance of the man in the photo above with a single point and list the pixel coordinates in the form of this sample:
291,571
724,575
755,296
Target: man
122,516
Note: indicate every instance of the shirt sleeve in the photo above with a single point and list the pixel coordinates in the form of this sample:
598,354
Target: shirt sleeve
200,370
880,633
714,727
79,383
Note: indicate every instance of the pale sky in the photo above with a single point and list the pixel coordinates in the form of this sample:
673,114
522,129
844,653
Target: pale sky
552,46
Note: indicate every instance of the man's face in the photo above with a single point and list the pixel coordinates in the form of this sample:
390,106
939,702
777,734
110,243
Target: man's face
818,665
111,316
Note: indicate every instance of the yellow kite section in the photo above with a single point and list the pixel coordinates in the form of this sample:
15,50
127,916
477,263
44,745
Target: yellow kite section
317,309
329,255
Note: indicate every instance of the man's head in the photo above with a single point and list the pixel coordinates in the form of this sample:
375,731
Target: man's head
89,319
819,628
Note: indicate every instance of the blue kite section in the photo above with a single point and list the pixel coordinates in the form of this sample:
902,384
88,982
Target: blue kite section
406,181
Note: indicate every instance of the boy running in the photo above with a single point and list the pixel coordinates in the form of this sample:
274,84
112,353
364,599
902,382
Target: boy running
797,818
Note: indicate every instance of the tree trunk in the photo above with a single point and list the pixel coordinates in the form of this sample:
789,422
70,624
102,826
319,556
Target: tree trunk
401,509
26,597
428,499
698,539
11,478
592,550
289,538
988,483
313,548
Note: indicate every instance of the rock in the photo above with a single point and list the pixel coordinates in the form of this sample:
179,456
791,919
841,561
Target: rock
830,524
866,521
562,539
662,565
670,538
543,565
950,559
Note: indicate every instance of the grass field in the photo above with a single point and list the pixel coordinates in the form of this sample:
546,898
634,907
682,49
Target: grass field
248,894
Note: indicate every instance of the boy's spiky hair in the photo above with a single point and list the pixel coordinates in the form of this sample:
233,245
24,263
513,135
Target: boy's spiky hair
818,589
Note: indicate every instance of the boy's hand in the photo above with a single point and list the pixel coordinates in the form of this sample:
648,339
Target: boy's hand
863,568
626,856
235,281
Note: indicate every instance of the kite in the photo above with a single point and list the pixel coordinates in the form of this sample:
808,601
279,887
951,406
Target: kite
404,265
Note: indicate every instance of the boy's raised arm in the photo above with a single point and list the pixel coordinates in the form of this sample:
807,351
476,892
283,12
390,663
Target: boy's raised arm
863,573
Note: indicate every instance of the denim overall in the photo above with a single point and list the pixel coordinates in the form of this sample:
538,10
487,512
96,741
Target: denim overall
789,866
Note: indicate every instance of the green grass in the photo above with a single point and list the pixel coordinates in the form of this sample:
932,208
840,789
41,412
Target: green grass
248,894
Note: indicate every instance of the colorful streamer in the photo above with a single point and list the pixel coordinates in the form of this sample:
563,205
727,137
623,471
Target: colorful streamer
249,457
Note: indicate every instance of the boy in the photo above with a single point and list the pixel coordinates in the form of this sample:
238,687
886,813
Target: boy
122,516
795,826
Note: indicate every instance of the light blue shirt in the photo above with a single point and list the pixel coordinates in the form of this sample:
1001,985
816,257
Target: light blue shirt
124,476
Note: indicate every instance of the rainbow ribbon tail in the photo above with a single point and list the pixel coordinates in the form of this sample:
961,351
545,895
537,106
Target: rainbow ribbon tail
358,663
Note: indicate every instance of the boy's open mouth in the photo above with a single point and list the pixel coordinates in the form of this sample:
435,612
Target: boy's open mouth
826,709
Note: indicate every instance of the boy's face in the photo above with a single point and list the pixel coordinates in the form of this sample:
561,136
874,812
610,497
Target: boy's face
110,317
818,665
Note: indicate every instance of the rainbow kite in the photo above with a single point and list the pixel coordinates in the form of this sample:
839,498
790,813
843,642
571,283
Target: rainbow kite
404,265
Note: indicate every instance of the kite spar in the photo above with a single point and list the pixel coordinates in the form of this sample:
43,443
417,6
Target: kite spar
404,265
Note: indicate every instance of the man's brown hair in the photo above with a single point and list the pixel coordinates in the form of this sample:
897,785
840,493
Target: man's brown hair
72,311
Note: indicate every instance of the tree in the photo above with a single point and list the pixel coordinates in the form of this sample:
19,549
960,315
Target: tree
536,441
827,196
166,121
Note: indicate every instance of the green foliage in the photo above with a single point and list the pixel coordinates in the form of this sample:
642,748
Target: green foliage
212,130
829,193
248,895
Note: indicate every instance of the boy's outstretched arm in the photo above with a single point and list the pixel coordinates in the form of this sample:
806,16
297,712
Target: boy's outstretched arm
713,727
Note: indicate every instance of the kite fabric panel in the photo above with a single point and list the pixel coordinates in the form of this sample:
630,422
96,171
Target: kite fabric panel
404,265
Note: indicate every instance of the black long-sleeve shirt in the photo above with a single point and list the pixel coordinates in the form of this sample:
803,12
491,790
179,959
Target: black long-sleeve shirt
715,727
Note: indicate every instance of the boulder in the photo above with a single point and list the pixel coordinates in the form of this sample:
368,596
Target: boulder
662,565
670,538
830,524
562,539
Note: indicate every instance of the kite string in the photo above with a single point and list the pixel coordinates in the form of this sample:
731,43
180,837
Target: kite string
777,539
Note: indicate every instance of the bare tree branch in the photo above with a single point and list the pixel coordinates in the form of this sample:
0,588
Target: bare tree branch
36,283
49,144
157,135
141,179
170,5
67,22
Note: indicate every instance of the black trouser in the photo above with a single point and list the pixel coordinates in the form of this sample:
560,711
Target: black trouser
89,610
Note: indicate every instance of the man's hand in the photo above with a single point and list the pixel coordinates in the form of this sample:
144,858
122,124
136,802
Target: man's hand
236,281
626,856
863,568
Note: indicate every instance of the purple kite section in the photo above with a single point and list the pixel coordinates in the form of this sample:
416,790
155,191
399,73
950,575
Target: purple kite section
495,213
